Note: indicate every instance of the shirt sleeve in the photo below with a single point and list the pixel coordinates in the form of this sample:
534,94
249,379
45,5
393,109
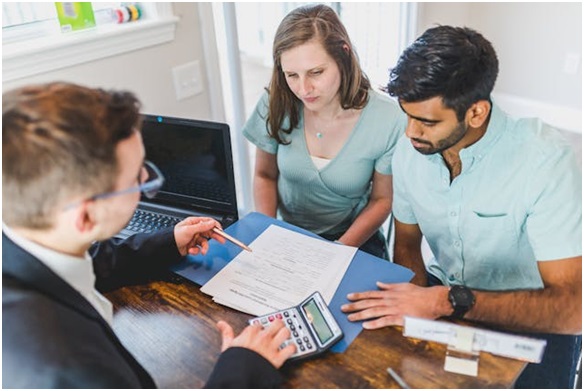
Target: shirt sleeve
554,221
119,262
396,121
243,368
401,208
256,127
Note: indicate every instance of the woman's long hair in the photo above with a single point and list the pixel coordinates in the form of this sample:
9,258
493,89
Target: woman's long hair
301,25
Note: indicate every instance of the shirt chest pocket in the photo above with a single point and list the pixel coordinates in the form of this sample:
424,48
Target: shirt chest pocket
492,229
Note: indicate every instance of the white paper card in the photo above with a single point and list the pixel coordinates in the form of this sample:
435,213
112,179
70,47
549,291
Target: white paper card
461,365
507,345
464,339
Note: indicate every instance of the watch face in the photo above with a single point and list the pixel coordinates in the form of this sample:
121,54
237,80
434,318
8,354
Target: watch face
461,296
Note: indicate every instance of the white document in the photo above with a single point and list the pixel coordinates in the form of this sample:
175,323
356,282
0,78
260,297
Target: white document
470,338
284,268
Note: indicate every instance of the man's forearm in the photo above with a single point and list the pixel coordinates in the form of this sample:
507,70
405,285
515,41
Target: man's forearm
550,310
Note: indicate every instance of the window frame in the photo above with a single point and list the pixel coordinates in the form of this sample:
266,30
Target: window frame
39,55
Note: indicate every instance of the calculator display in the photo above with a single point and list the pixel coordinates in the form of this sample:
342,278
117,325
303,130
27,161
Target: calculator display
317,321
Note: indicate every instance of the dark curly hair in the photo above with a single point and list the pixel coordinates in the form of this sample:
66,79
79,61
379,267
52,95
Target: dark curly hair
455,63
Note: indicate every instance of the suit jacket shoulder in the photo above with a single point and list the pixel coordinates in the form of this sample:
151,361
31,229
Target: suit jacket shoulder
52,337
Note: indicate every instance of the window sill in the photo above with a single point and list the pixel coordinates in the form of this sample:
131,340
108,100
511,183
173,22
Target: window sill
51,53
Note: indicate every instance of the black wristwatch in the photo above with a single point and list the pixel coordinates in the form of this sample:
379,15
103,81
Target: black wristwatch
462,299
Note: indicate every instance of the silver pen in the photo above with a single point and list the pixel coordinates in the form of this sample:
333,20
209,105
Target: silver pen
397,378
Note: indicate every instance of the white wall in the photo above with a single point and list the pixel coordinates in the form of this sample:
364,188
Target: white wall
533,41
146,72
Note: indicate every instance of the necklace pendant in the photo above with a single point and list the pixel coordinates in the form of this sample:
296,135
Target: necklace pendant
319,135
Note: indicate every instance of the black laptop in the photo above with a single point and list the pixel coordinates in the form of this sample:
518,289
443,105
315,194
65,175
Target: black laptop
196,160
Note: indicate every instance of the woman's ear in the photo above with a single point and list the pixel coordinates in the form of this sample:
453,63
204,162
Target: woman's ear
478,113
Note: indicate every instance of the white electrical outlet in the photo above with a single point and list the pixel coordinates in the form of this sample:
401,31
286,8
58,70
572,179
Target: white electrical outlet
187,80
571,63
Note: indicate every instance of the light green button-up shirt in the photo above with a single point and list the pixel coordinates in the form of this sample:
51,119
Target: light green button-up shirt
517,201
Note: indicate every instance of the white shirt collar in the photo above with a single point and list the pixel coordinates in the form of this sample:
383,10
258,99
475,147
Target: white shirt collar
75,271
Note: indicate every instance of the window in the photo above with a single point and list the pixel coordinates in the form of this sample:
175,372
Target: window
376,41
25,20
32,42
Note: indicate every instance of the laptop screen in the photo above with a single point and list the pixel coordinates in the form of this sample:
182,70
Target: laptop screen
195,158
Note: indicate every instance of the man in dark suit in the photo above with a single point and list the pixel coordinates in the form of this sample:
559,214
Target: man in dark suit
73,170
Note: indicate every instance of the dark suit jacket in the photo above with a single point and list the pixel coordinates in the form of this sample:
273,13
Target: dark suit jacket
53,338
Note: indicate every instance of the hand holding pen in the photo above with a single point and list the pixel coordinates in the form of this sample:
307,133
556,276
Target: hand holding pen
193,233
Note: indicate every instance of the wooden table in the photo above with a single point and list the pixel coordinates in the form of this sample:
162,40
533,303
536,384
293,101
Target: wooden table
169,326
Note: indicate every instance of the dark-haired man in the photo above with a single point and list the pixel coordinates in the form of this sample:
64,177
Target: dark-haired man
498,200
72,171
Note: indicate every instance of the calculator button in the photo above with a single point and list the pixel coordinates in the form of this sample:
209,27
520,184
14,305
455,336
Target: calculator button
271,318
292,327
299,341
305,339
295,334
302,348
286,314
279,315
309,346
289,321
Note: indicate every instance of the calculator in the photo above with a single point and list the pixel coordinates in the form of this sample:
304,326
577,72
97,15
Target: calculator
313,329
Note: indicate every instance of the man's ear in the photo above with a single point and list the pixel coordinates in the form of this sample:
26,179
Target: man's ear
85,220
478,113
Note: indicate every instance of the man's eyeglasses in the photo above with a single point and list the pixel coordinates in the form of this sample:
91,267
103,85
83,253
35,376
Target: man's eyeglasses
150,180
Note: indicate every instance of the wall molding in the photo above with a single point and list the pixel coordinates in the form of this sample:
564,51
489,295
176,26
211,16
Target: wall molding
562,117
20,60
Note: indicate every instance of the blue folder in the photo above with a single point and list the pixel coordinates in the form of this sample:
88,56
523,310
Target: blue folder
363,272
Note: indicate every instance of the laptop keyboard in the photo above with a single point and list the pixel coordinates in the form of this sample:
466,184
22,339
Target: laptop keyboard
145,221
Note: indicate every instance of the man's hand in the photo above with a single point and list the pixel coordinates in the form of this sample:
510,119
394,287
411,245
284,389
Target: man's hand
392,302
192,235
265,342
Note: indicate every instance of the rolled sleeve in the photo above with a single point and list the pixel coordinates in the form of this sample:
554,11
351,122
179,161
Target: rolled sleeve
554,222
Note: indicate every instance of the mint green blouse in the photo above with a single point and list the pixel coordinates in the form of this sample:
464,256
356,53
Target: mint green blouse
329,200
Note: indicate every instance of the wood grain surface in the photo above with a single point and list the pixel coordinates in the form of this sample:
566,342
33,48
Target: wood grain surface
169,326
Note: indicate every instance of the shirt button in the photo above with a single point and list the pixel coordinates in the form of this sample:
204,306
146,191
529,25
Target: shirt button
457,244
452,214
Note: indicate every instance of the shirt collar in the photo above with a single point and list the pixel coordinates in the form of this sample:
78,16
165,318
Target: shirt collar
496,127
